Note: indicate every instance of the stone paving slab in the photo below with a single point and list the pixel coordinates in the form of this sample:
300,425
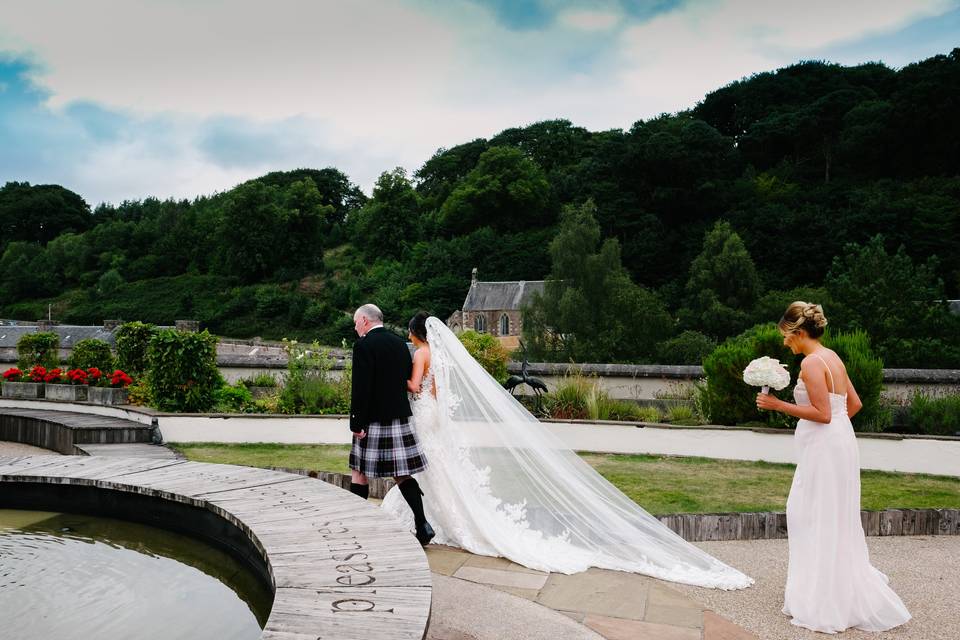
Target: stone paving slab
498,577
619,629
598,591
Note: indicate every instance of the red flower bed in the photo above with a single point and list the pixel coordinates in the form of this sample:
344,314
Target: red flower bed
119,379
53,376
77,376
13,375
37,373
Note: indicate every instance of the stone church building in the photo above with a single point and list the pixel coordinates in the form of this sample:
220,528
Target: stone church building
494,308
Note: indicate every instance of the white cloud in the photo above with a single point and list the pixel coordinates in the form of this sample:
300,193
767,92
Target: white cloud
367,86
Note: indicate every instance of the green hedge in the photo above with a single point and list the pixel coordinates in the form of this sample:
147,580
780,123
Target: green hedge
935,415
91,353
865,370
41,348
133,339
182,370
728,400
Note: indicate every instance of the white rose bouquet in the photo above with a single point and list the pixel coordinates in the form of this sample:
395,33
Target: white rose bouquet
766,372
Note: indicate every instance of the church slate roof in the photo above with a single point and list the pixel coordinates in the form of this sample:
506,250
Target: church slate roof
500,296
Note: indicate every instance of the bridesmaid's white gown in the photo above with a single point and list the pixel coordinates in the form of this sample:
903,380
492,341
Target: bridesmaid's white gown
831,585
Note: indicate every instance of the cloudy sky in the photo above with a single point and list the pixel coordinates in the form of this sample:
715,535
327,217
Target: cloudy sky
123,99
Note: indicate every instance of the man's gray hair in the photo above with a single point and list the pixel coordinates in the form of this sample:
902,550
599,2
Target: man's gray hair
370,312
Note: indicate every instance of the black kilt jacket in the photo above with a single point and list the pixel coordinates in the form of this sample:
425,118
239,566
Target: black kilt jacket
381,367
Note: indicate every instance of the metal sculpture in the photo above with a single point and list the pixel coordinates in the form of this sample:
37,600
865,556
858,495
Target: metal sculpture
538,386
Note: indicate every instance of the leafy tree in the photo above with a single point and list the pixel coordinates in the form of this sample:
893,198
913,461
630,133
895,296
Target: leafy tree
899,304
40,213
506,191
390,221
269,233
591,311
723,285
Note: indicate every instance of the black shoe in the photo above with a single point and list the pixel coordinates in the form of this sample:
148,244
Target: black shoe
411,492
425,533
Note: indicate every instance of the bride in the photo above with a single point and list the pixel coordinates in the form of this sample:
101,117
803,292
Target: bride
502,485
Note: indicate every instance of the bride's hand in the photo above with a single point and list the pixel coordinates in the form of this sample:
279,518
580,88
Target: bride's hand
767,401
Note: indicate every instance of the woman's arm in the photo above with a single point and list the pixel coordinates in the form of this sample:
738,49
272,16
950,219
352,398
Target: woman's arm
819,409
854,404
416,377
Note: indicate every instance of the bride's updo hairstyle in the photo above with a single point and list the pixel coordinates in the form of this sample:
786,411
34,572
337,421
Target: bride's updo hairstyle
803,315
418,325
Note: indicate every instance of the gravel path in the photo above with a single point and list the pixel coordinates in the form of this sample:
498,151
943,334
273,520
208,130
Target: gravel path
924,571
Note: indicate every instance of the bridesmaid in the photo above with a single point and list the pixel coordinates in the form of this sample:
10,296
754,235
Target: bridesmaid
831,585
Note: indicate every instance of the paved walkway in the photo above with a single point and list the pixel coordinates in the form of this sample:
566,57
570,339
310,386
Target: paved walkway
600,604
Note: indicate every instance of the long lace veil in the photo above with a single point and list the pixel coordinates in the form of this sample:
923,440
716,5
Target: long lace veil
546,491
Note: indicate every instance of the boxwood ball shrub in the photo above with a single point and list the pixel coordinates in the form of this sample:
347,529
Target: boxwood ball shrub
182,372
91,353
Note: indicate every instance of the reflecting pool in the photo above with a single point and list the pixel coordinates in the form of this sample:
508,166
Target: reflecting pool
74,576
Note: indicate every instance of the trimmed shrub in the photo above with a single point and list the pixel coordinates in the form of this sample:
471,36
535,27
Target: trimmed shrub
91,353
132,340
182,370
727,399
690,347
865,370
38,348
935,415
488,351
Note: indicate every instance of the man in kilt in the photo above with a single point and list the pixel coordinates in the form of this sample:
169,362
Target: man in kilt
384,443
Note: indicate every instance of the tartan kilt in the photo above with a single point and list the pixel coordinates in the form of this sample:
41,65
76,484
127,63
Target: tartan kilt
388,450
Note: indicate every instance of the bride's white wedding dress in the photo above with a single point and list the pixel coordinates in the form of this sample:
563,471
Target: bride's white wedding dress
500,484
831,585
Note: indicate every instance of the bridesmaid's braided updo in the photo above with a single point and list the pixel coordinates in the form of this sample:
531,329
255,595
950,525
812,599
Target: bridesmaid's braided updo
803,315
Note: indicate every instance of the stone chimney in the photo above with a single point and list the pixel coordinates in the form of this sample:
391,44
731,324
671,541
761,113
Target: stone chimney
46,325
473,278
190,326
111,325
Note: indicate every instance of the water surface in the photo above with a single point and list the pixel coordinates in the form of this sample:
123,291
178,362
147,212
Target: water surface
65,576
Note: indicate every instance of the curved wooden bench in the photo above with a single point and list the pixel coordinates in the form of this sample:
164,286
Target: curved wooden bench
339,568
66,432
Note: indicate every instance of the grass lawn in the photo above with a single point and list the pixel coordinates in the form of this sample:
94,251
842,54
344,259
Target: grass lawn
661,484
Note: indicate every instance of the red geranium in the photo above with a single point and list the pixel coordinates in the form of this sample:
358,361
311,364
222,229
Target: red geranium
12,374
53,376
119,379
94,374
38,373
77,376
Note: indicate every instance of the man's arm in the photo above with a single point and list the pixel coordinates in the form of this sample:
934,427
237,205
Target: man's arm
361,387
